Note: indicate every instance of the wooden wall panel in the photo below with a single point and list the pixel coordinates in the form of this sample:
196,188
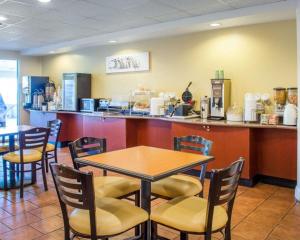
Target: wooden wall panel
154,133
229,143
276,152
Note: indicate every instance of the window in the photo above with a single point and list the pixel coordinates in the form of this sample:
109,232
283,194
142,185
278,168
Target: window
9,91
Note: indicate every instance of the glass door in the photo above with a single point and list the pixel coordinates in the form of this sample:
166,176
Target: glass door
9,113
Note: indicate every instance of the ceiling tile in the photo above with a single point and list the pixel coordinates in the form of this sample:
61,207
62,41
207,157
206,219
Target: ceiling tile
33,24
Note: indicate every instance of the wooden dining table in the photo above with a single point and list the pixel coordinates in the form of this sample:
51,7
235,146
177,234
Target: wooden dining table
149,164
10,133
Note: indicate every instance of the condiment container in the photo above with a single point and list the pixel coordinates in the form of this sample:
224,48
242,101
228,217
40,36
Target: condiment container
292,96
280,96
274,119
264,119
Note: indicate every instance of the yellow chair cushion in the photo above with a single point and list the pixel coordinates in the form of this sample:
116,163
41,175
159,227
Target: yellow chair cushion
176,186
113,216
29,155
114,187
188,214
49,147
5,148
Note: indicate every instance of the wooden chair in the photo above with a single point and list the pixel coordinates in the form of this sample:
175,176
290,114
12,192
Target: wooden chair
209,216
4,147
180,184
92,217
105,186
51,148
28,154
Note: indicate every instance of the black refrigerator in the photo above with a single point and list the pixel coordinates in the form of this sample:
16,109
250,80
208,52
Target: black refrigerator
75,86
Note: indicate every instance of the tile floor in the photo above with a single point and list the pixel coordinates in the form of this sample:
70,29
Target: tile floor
263,212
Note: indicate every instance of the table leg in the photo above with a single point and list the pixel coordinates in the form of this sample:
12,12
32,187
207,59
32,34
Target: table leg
11,165
146,205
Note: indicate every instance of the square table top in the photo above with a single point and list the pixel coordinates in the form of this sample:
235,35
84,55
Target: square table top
10,130
144,162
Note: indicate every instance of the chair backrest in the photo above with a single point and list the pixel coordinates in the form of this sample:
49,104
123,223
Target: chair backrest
55,127
223,188
195,144
34,138
86,146
74,189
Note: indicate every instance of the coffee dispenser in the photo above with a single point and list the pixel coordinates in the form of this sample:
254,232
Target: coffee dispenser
220,98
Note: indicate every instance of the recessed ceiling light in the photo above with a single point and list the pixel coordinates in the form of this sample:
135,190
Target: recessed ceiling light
112,41
3,18
44,1
215,24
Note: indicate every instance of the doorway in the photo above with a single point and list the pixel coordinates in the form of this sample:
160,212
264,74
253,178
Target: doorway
9,91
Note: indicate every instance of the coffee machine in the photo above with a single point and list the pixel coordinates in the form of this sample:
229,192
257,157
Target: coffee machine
220,98
31,84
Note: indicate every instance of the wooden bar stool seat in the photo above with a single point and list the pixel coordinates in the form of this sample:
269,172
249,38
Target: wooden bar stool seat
184,185
29,156
113,216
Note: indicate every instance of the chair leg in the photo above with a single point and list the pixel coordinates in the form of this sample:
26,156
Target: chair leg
228,232
153,230
55,155
44,176
183,236
207,236
33,173
137,200
22,181
46,162
4,175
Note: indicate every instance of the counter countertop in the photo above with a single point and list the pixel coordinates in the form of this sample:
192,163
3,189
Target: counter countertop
187,121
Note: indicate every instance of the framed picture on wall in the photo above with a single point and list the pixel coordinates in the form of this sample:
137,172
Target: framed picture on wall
135,62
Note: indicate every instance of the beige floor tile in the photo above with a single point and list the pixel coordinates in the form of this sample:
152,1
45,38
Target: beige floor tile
23,233
251,231
47,211
20,220
4,228
295,209
283,232
4,214
48,225
264,217
20,207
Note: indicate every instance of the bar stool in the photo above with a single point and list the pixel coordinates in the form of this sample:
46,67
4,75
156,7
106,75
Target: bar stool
208,216
28,154
180,184
91,217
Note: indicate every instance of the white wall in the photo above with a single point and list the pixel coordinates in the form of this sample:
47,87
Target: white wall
27,66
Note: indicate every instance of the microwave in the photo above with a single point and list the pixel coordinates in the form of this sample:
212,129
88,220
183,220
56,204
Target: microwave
88,104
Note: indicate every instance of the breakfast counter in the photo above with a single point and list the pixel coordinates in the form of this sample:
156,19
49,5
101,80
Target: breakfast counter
269,150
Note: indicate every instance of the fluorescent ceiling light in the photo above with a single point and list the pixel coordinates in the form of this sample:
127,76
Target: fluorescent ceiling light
3,18
215,24
44,1
51,52
112,41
